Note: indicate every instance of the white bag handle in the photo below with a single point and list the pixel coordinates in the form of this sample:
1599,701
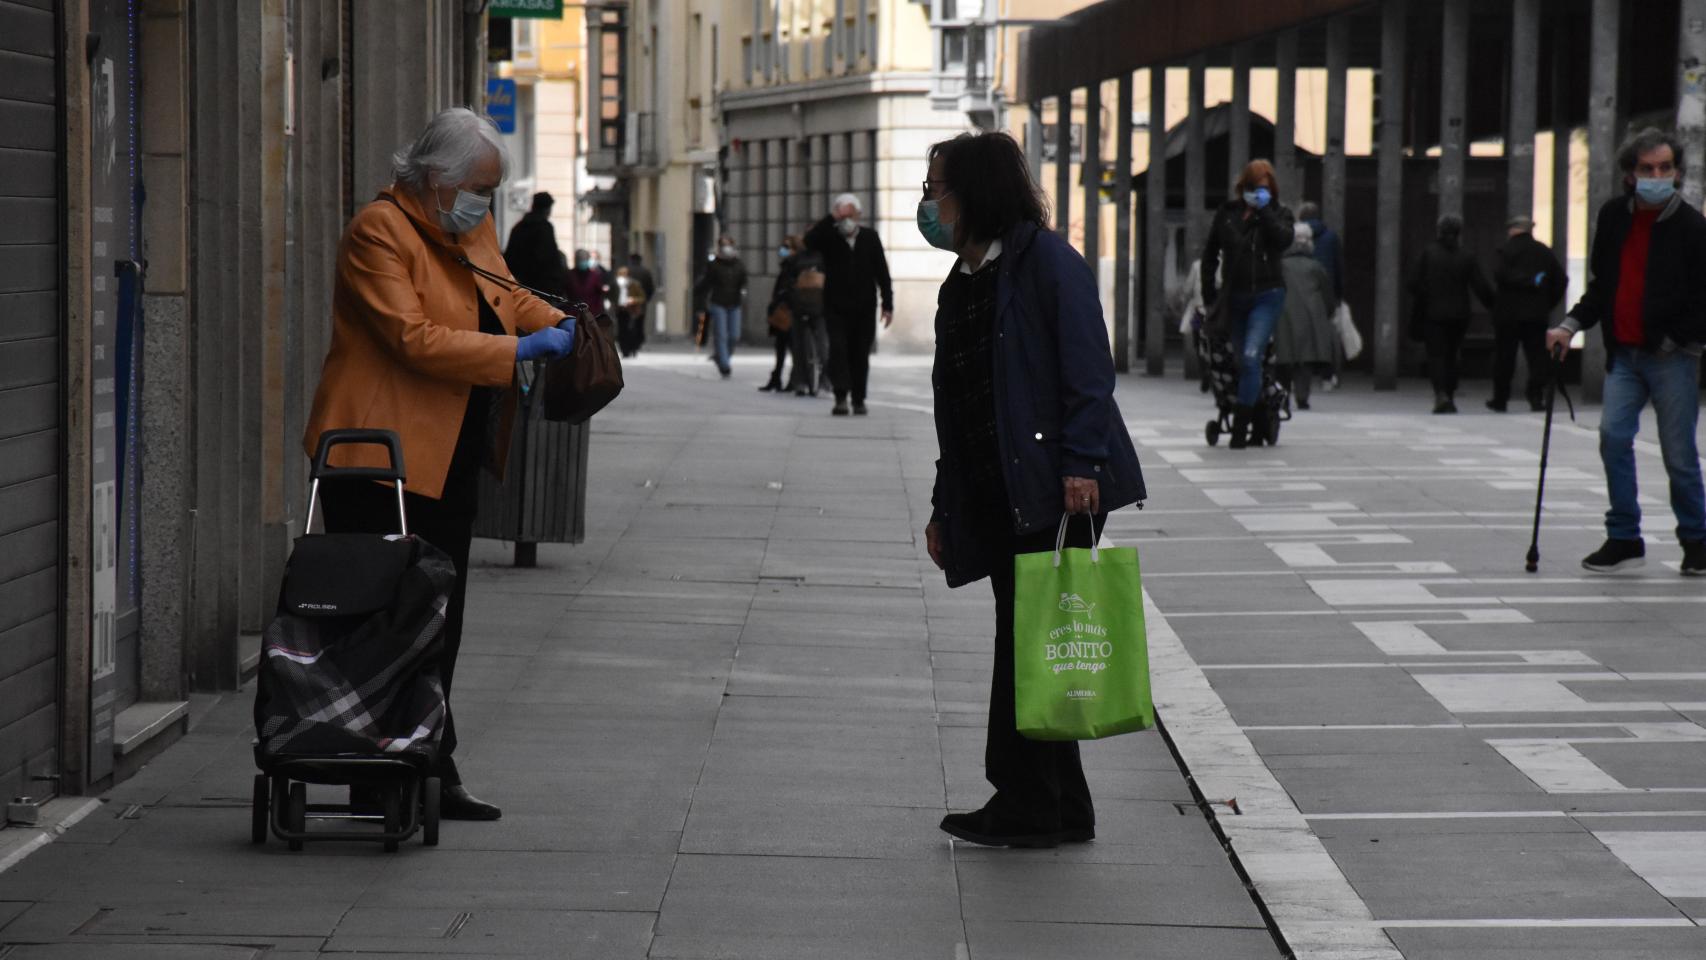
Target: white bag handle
1095,538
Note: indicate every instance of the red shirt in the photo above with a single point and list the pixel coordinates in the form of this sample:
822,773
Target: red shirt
1628,326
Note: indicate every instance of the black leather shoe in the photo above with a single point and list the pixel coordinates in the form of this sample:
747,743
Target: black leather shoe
456,803
1077,834
991,830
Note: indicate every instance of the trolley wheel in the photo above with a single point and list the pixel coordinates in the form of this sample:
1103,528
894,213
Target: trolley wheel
430,798
258,809
1211,432
393,815
298,815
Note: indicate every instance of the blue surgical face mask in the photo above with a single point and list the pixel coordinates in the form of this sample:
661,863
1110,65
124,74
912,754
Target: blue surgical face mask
466,213
936,233
585,264
784,252
1656,190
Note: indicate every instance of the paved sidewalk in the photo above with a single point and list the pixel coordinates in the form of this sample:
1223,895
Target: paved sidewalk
725,726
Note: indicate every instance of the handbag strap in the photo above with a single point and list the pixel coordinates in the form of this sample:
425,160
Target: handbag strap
1095,538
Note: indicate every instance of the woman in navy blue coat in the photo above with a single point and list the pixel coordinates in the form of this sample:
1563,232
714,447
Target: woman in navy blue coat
1028,431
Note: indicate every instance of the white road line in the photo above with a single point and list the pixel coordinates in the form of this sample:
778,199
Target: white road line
1505,815
1297,878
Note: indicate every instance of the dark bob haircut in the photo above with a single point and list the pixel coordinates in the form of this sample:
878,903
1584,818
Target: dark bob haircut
990,180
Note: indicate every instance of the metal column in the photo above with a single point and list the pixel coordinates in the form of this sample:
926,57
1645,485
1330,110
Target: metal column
1122,225
1063,165
1561,137
1034,141
1239,154
1155,229
1453,102
1333,163
1285,114
1524,105
1604,179
1196,159
1091,176
1691,98
1389,269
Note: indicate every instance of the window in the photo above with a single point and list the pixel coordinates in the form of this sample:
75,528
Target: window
746,59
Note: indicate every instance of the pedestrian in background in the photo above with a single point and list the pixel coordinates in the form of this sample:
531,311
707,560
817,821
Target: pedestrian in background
1530,282
423,346
805,297
1647,293
1028,430
1305,340
588,283
1441,282
780,316
532,255
723,284
857,273
1330,254
642,286
1252,232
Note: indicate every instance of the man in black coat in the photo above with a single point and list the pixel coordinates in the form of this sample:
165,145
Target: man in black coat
532,254
855,273
1531,282
1440,286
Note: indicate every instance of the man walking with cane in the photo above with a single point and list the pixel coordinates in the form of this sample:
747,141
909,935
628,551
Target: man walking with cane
1647,290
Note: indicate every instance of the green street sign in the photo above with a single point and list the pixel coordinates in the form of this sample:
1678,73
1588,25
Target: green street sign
537,9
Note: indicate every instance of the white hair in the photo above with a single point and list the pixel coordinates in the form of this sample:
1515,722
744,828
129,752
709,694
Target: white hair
447,149
847,199
1302,238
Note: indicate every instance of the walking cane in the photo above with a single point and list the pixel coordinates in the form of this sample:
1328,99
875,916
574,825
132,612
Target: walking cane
1554,386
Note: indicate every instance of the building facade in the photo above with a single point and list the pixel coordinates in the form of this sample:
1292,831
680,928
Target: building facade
178,175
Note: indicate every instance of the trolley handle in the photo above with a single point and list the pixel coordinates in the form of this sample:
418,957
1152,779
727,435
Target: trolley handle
325,471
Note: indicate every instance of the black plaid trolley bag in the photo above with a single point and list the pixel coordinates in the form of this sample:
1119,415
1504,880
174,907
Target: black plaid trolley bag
348,689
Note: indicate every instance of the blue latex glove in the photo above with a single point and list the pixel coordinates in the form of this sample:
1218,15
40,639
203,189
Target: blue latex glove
567,325
546,344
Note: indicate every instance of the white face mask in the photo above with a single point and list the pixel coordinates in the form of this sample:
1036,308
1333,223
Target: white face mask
848,225
465,214
727,251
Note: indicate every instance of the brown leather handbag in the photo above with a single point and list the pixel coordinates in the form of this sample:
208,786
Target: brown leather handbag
584,382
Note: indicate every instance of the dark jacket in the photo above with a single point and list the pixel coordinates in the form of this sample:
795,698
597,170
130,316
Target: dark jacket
853,276
1441,282
1330,254
724,280
1055,414
642,275
533,256
1253,247
1675,305
1530,281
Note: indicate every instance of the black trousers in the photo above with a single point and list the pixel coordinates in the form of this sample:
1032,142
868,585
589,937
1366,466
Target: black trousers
363,506
1037,782
783,339
850,342
1530,337
1445,341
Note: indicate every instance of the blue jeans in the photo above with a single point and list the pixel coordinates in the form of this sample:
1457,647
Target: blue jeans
1253,317
1672,382
725,333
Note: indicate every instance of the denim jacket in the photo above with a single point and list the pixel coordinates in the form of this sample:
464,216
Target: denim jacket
1055,414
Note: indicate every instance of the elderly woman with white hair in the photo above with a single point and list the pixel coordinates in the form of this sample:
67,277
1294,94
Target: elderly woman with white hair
855,272
427,328
1305,339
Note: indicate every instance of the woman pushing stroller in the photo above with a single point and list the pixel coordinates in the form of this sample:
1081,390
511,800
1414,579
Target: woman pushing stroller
1252,232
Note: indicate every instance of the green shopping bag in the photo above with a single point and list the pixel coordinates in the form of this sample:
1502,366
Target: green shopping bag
1081,661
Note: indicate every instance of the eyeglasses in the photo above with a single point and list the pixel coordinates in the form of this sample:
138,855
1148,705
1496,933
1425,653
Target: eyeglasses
930,194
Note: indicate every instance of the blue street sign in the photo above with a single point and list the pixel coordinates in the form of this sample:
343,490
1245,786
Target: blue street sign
500,103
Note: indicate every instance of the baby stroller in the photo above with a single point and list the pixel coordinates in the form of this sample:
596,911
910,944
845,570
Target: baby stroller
348,690
1220,374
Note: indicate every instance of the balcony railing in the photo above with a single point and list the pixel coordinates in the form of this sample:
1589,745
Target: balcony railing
640,148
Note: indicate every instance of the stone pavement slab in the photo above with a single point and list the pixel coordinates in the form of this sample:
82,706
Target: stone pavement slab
725,726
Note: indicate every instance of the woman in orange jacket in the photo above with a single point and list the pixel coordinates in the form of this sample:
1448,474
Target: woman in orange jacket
426,346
